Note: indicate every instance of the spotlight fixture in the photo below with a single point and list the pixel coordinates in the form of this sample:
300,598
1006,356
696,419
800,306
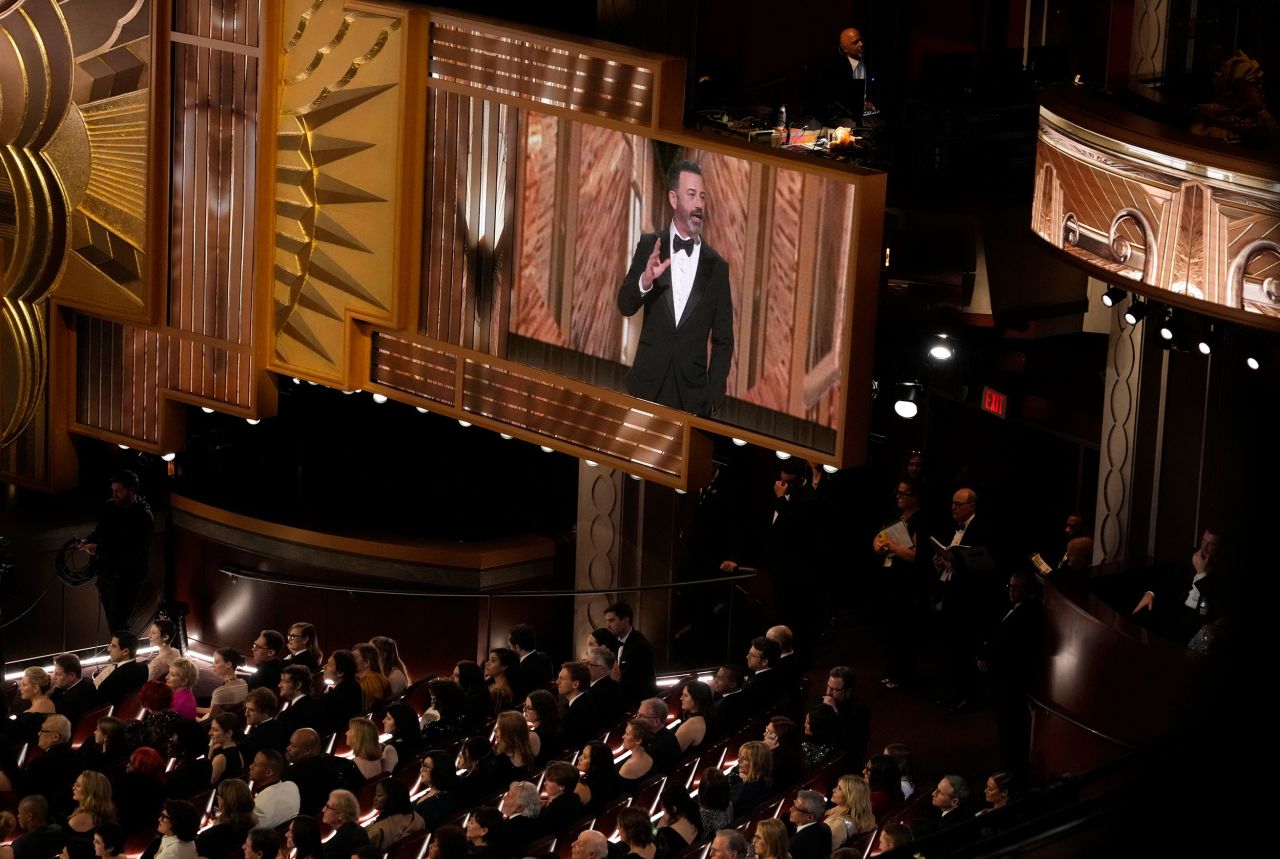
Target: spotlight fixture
123,446
505,437
545,449
782,455
1135,311
942,349
740,442
1210,338
379,398
591,463
1113,296
829,468
1166,325
253,422
463,424
168,457
682,492
421,410
297,381
348,393
206,410
1253,363
907,404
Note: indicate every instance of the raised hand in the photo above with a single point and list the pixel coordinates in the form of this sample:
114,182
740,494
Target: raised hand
654,266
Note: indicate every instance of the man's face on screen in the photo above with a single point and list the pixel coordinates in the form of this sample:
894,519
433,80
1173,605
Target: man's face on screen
687,201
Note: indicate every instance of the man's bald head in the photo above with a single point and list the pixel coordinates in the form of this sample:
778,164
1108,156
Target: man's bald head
591,845
851,42
1080,553
782,635
303,743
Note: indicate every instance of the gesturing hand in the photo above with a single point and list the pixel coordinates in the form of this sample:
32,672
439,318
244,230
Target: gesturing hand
654,266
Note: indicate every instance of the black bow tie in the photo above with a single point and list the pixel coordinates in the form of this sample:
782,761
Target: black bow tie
685,245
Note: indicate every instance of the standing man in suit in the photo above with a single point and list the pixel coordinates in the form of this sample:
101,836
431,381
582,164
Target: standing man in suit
683,286
121,544
606,691
536,669
73,694
124,674
1012,656
962,598
580,720
636,669
298,707
812,838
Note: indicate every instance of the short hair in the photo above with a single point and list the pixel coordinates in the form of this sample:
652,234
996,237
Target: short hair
147,762
444,775
714,790
274,640
307,843
811,801
595,844
344,663
39,678
186,671
112,835
844,674
345,804
264,841
641,729
768,648
272,759
635,826
781,634
37,806
264,700
580,673
734,841
620,610
527,798
60,723
673,175
451,842
564,774
231,656
127,479
959,788
656,704
298,675
798,467
490,820
760,757
69,662
897,832
523,636
126,640
183,817
155,696
602,656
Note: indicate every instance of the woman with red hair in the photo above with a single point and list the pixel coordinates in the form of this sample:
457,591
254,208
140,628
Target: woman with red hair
141,790
156,725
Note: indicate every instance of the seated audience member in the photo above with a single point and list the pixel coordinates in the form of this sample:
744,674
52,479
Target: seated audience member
123,674
997,791
225,756
484,833
821,727
482,773
901,754
601,637
589,845
440,778
276,801
1190,595
33,687
371,758
181,681
401,722
263,730
345,699
534,669
544,721
73,694
299,708
499,669
812,838
893,835
564,807
853,715
662,743
850,814
581,720
788,664
140,794
303,649
767,686
40,839
105,751
639,765
949,797
636,833
163,636
605,691
52,773
392,665
374,685
233,819
92,795
681,823
190,770
315,773
696,728
597,777
178,825
233,688
396,818
755,774
770,840
448,842
727,844
885,783
109,840
75,848
715,801
782,736
1079,555
469,677
446,720
522,807
261,843
636,669
731,703
267,652
302,839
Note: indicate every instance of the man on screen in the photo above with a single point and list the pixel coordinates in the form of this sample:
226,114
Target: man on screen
683,286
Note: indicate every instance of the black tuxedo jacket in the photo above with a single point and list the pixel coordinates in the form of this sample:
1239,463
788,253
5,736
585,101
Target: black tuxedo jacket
581,721
271,734
639,671
812,842
317,777
347,839
78,700
678,350
732,711
51,775
763,691
306,712
561,813
122,682
535,672
607,693
342,703
267,676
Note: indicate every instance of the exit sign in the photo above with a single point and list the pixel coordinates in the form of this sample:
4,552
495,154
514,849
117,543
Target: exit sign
995,402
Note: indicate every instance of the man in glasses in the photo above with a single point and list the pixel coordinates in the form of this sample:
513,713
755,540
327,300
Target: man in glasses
52,774
266,651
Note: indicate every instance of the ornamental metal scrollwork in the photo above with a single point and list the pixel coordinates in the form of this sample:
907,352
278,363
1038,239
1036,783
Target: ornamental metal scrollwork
1235,273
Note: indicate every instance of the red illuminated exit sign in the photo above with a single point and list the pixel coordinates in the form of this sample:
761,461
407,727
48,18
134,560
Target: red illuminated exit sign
995,402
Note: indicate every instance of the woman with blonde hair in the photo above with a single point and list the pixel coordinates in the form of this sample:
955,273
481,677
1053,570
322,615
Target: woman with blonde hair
33,687
373,683
92,792
770,841
370,756
755,769
392,665
850,813
181,679
511,739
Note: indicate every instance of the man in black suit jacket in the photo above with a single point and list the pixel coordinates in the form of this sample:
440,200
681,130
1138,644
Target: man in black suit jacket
124,674
342,812
1012,656
536,668
606,691
812,839
52,774
580,720
1189,596
662,746
949,798
636,669
267,649
315,773
767,686
73,694
298,707
262,729
732,704
564,806
683,286
853,714
837,83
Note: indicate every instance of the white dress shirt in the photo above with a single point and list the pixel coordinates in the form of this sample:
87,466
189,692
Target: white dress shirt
276,804
684,267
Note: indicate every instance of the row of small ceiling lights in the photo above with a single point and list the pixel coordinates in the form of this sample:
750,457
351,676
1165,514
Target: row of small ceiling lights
1174,328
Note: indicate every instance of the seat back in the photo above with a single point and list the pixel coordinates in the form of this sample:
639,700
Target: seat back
413,847
129,709
88,723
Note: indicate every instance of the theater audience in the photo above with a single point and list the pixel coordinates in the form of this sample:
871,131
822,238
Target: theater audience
482,772
163,636
401,722
341,812
601,637
589,845
727,844
499,669
178,824
639,764
262,843
315,773
605,691
853,715
681,822
181,681
949,797
470,678
636,670
696,728
446,720
732,705
440,778
850,813
782,736
53,772
770,840
233,819
276,801
484,833
392,665
788,664
522,806
106,751
298,707
264,730
821,730
302,839
233,688
370,756
73,694
812,838
544,720
92,794
535,669
109,840
33,687
885,783
893,835
636,833
122,675
597,777
766,685
345,698
662,743
901,754
580,721
755,776
141,791
997,791
396,818
714,800
267,652
40,839
303,645
512,741
374,685
448,842
564,807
